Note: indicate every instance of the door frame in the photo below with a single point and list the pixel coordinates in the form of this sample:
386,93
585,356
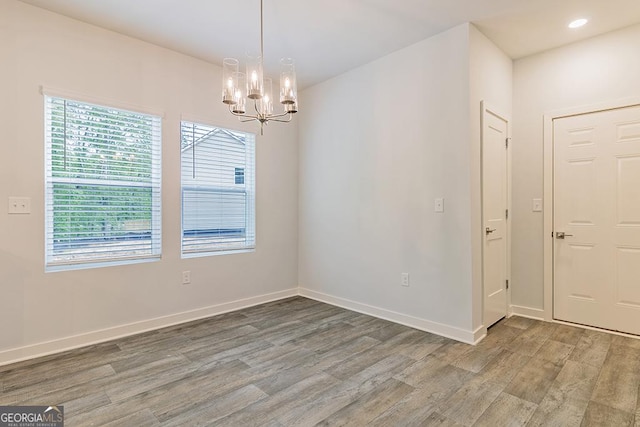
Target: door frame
485,108
548,184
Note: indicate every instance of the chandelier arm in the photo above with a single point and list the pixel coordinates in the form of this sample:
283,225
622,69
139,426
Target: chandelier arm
278,115
263,117
244,115
283,121
248,117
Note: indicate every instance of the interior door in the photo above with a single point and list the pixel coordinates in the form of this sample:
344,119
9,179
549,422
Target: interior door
597,219
494,215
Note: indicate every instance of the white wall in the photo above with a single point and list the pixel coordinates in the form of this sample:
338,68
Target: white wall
377,146
491,76
601,69
71,308
369,177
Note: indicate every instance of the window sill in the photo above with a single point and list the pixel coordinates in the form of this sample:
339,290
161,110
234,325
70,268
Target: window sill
215,253
98,264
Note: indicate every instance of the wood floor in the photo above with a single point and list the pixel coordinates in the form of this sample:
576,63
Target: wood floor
301,362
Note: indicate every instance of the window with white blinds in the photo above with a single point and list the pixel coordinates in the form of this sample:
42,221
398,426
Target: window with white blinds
102,193
218,189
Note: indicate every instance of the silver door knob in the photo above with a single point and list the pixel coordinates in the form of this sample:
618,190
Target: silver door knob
562,235
489,230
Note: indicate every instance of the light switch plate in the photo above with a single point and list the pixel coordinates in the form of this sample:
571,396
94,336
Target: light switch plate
439,205
19,205
537,205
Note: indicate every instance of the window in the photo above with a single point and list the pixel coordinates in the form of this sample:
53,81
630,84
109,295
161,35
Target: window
102,184
239,174
218,197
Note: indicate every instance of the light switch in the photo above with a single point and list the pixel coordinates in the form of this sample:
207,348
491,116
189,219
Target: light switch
19,205
439,205
537,205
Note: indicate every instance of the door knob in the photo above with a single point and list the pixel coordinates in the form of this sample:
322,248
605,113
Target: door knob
489,230
562,235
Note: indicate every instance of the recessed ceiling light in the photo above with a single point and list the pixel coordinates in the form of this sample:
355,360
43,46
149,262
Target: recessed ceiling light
578,23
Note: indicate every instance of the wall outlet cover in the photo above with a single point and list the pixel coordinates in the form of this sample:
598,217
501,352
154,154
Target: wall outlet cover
19,205
404,279
186,277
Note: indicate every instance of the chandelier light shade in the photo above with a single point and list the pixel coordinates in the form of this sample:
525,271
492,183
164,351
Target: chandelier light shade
288,87
239,104
229,80
255,81
238,87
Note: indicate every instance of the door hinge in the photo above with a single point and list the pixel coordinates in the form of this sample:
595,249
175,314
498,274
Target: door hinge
506,213
506,142
507,283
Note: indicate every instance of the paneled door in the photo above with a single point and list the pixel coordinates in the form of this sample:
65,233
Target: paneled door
597,219
494,215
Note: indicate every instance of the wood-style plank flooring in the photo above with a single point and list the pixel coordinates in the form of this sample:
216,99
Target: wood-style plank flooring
298,362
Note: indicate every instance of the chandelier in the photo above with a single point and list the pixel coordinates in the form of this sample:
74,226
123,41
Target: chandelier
237,87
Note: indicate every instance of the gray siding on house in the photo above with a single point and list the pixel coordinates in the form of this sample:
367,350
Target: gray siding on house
212,201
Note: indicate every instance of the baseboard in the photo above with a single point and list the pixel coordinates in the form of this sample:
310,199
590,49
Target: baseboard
479,334
531,313
95,337
465,336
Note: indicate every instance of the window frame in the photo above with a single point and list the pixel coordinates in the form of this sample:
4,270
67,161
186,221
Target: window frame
225,246
152,251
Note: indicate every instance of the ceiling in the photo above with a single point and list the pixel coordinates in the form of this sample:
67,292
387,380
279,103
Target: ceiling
329,37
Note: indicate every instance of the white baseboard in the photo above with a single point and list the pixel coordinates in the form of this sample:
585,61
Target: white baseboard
531,313
466,336
95,337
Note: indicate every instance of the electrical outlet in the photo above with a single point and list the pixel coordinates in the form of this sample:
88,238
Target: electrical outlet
186,277
19,205
404,279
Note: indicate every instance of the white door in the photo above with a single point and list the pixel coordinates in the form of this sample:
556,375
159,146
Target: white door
494,215
597,207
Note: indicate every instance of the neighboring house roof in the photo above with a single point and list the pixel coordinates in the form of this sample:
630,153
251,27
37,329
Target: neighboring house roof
238,137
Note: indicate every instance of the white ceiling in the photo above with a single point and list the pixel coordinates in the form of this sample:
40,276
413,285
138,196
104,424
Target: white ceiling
329,37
